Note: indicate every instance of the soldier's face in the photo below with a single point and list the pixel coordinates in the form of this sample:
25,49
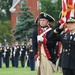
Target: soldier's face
43,22
71,26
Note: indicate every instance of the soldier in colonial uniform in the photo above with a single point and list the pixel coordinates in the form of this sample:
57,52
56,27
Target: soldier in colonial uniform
47,46
68,46
1,54
22,53
16,53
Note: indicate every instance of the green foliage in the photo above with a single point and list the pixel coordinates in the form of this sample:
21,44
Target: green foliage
5,4
2,16
51,8
25,23
5,31
5,24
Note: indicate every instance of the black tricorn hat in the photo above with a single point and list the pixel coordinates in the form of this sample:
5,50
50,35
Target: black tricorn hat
46,16
36,20
71,20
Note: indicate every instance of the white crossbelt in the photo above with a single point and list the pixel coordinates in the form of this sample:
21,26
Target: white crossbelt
45,31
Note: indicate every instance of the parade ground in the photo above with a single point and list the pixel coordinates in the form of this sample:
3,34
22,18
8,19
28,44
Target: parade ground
19,71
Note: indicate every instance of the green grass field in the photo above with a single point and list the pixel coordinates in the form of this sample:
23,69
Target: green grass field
19,71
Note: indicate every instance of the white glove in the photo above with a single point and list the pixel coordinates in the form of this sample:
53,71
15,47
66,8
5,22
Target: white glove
61,26
15,48
21,49
40,38
38,62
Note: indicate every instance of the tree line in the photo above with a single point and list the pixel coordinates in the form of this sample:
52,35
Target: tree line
25,25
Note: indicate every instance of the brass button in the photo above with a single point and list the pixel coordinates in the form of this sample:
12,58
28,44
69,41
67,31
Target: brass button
66,50
68,53
69,49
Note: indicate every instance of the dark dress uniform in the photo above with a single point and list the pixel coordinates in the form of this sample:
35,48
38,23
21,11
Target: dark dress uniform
16,55
7,55
68,47
12,58
31,58
22,55
68,52
1,55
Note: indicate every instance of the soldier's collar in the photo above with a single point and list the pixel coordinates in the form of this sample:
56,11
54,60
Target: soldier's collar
44,26
72,33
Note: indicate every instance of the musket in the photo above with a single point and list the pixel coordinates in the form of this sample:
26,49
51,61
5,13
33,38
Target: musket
39,52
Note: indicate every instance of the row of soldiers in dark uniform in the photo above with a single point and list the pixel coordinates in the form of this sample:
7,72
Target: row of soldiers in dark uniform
15,52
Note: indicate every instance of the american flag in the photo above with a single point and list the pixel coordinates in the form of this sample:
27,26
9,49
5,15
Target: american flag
68,8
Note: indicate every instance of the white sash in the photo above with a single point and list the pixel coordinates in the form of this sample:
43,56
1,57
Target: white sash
45,31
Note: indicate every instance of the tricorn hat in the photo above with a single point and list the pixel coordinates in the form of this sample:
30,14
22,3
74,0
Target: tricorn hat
46,16
36,20
71,20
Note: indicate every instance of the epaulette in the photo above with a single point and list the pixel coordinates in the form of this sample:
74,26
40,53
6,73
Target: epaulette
55,31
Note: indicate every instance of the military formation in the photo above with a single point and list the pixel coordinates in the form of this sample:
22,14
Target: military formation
15,54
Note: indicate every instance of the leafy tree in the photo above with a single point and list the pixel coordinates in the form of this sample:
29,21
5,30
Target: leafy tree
5,23
51,8
5,5
2,16
5,31
25,24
